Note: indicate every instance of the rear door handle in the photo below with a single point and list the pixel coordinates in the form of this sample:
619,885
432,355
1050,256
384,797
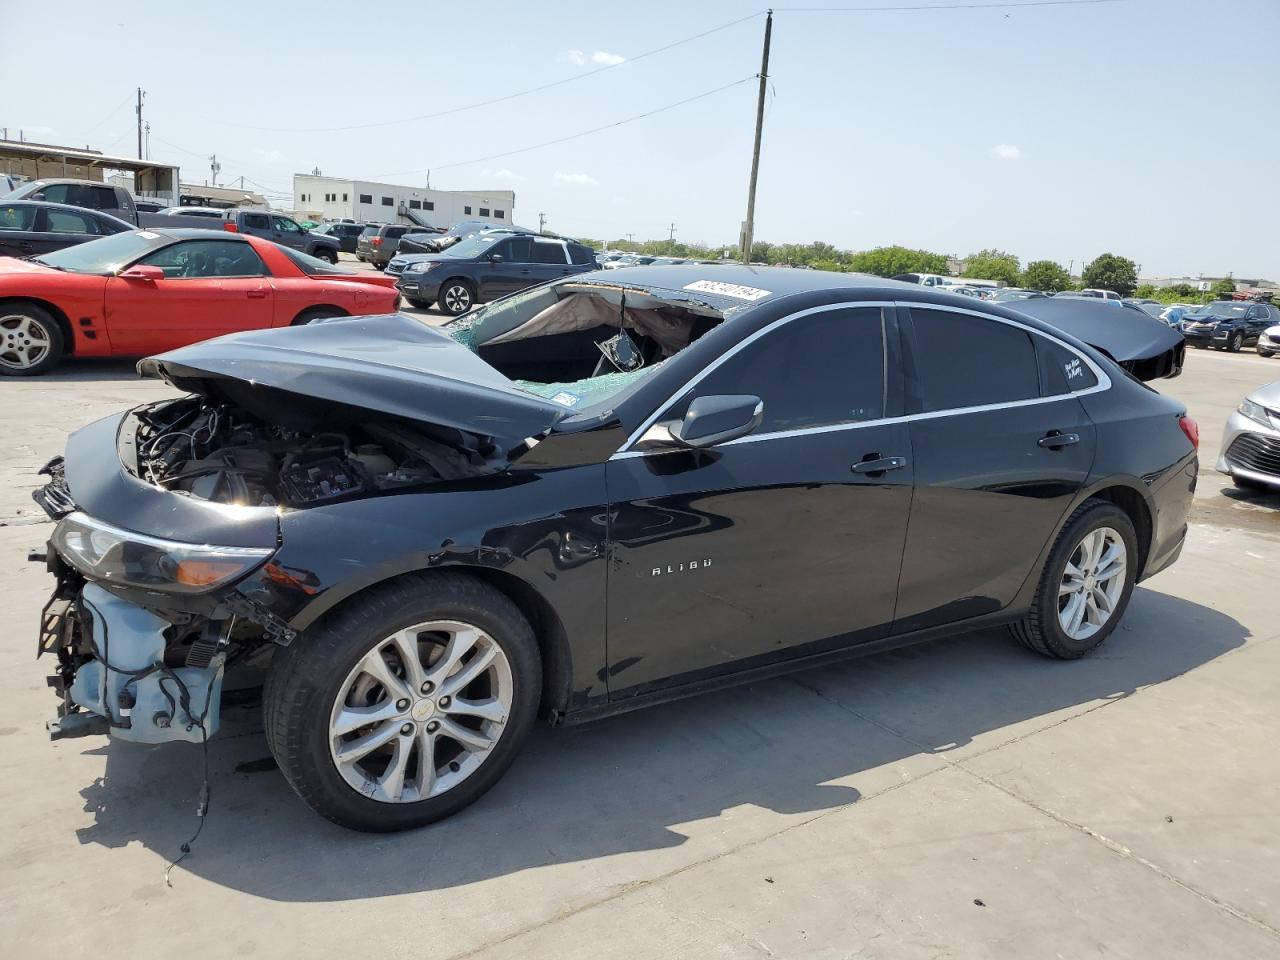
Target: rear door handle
1055,440
880,465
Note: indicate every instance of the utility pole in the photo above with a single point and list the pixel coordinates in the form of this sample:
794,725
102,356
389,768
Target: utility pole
215,167
542,221
148,128
141,93
672,235
749,226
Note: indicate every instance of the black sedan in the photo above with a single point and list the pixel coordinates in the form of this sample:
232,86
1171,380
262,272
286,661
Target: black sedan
1228,324
605,492
29,228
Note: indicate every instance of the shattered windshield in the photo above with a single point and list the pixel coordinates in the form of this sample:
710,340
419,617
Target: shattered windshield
582,343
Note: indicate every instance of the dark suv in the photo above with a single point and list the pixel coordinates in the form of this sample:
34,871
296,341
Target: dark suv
1228,324
347,234
488,266
378,242
281,230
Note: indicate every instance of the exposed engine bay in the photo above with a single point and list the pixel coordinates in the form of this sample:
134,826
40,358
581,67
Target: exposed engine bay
219,452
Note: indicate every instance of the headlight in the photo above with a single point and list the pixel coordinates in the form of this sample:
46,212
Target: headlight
418,267
1254,411
103,552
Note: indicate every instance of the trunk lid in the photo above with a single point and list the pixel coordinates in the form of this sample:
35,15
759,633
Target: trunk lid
390,364
1147,348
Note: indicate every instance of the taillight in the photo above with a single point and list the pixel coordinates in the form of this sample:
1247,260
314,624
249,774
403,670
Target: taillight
375,242
230,227
1191,429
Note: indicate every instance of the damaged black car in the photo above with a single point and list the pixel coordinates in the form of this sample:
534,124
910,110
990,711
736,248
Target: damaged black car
605,492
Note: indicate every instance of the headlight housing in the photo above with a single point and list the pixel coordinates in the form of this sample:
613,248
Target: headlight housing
1254,411
103,552
420,267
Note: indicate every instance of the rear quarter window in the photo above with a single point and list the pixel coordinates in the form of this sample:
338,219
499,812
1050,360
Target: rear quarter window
1061,370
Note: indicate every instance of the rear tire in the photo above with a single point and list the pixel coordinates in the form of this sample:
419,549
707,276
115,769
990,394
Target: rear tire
327,255
31,341
311,688
317,313
1044,629
457,296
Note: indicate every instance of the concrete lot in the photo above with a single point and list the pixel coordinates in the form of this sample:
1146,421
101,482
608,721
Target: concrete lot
960,799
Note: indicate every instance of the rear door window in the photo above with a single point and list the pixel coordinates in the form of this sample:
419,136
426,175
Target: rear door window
966,361
548,252
69,221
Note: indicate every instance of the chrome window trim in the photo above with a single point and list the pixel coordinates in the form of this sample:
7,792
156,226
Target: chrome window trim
1104,381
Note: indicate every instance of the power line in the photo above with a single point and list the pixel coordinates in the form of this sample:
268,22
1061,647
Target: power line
574,136
944,6
505,97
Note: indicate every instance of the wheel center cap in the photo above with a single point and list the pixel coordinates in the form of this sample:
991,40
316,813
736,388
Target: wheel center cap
422,710
1089,582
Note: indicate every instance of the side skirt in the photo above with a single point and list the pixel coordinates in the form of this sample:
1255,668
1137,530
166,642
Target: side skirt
610,708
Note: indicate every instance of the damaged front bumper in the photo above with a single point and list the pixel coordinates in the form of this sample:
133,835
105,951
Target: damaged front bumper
112,665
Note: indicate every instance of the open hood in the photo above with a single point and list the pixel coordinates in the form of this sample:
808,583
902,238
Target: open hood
391,364
1147,348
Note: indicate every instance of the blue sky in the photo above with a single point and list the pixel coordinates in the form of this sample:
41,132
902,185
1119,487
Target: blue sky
1143,127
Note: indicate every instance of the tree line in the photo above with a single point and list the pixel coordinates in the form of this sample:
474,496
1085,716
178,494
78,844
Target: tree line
1108,271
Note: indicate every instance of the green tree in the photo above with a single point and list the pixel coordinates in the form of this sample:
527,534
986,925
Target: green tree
1045,275
992,265
1111,272
890,261
1223,288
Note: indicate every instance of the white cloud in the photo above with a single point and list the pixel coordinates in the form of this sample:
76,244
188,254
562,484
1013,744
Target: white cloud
1006,151
579,178
602,58
503,174
270,156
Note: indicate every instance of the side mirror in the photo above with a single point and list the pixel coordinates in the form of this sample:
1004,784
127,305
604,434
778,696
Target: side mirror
714,420
143,272
495,258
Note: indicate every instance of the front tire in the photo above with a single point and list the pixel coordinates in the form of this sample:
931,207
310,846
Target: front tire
407,705
327,255
420,304
1265,353
1236,342
30,340
456,297
1086,584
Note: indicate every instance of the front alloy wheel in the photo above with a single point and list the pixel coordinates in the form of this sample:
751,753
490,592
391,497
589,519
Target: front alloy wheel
421,711
1236,342
30,341
456,298
406,704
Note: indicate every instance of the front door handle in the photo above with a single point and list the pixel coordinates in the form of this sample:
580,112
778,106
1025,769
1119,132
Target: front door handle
879,465
1055,440
256,294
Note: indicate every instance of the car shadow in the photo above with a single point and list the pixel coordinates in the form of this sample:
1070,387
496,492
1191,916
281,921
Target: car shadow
1253,495
631,782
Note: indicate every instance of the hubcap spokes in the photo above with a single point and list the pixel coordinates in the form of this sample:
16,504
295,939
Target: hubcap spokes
420,712
23,344
1092,583
457,298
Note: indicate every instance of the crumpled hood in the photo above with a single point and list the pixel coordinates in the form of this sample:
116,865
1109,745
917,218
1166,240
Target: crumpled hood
1146,347
391,364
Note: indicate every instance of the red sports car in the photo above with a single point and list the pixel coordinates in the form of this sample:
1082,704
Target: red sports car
148,291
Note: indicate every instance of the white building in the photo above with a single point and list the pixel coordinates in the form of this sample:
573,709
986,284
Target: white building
333,198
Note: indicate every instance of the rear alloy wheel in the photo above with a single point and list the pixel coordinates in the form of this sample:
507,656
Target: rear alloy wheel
406,706
1086,583
30,340
456,297
1236,342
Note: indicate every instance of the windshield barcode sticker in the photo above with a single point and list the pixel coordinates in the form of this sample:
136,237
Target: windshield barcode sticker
565,399
735,290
